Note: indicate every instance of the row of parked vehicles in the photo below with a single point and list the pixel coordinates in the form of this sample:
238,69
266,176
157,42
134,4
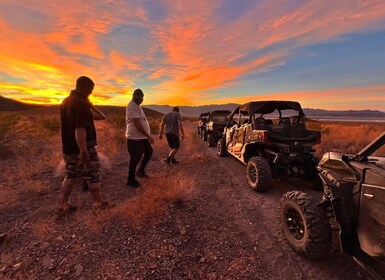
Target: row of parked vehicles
271,139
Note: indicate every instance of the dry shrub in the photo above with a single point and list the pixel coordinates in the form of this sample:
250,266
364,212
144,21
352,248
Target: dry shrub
36,186
7,195
43,228
192,147
93,224
348,137
158,193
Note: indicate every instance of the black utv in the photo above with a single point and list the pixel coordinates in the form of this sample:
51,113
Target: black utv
353,202
271,138
213,130
202,121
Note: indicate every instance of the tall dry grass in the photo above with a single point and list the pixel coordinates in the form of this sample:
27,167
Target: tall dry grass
346,137
158,194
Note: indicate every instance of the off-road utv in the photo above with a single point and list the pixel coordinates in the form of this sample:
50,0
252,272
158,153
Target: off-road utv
271,138
353,203
202,121
213,130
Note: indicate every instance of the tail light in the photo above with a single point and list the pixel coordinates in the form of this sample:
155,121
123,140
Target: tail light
264,137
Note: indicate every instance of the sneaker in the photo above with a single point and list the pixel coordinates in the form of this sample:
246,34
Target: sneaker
167,160
133,183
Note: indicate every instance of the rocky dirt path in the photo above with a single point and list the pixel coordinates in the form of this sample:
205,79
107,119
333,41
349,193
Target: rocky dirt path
210,226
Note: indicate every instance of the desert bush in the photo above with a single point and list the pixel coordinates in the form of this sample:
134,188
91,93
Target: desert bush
348,137
313,125
51,124
119,121
160,192
42,228
6,122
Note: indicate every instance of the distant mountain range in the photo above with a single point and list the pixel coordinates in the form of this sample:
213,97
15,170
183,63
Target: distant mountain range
7,104
194,111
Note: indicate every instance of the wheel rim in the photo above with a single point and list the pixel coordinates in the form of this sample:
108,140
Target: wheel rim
294,223
252,174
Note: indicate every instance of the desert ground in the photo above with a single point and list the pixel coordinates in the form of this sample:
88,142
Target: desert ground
193,220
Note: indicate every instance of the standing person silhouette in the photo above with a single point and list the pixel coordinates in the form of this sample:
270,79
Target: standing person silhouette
78,134
172,124
139,139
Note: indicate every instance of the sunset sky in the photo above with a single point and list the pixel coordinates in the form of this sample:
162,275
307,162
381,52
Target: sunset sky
327,54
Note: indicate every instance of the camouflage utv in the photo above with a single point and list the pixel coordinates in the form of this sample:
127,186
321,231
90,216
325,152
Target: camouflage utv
271,139
353,200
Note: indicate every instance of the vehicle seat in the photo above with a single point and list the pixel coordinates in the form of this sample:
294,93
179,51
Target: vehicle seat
269,121
260,121
284,120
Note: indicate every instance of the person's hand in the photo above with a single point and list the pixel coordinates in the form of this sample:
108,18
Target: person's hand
151,139
160,136
84,158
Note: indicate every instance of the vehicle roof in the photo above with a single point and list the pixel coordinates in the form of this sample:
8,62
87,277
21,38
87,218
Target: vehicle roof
266,107
220,112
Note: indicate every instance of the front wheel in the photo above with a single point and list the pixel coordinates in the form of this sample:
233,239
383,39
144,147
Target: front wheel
221,148
305,225
259,174
211,140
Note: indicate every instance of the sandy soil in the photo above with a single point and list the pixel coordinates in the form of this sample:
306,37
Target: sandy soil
218,229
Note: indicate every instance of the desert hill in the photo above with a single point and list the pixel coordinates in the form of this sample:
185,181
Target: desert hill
8,104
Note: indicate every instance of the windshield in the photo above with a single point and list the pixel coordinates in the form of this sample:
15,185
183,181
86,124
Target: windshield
219,118
287,117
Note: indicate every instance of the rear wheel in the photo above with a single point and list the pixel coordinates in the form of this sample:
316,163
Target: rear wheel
305,225
204,135
221,148
259,174
211,140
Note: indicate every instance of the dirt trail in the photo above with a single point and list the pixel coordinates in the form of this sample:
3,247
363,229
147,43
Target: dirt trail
225,231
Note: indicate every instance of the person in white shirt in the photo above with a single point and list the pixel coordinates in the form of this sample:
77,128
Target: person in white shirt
139,139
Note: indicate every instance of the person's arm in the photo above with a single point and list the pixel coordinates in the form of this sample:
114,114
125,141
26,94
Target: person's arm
97,115
162,124
80,135
140,127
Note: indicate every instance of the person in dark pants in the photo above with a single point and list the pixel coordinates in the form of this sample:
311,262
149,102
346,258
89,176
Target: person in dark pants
172,123
139,139
78,135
